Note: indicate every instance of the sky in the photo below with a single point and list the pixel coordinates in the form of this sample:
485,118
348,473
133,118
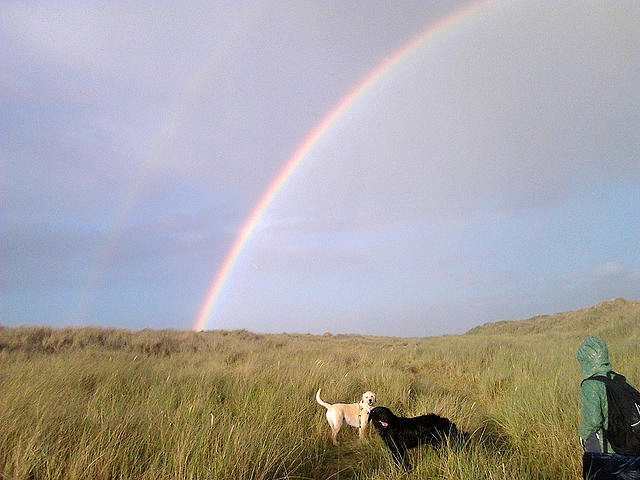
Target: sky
487,173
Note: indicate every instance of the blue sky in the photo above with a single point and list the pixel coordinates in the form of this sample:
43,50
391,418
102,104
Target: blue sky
491,175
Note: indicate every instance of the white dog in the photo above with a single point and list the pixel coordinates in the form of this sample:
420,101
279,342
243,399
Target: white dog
354,414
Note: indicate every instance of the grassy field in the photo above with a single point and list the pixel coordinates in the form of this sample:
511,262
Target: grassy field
114,404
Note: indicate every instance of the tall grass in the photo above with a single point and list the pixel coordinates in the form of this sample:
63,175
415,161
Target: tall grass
112,404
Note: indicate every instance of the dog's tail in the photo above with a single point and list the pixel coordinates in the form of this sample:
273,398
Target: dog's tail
320,401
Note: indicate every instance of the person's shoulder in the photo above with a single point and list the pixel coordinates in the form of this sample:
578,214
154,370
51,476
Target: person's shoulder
592,382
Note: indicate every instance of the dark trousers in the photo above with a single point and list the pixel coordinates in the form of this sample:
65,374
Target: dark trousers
610,466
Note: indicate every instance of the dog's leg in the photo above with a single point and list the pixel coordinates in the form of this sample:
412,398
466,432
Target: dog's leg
399,454
402,459
364,421
334,418
334,434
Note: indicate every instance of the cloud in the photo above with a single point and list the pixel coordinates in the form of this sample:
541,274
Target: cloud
614,269
44,258
139,135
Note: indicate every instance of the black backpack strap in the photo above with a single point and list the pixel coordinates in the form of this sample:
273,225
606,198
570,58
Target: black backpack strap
600,378
605,378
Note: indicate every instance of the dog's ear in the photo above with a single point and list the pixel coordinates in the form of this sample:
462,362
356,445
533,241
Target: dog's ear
374,413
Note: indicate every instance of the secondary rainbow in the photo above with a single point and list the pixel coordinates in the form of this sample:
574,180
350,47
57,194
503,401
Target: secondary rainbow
310,141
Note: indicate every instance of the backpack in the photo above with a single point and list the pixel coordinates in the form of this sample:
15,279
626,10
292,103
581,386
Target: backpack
624,414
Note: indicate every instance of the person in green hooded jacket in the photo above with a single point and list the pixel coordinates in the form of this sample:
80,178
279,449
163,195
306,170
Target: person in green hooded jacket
593,356
600,460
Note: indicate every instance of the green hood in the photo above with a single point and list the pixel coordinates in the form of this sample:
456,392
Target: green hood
593,356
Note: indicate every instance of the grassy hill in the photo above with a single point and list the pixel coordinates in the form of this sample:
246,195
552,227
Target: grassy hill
615,318
619,317
80,403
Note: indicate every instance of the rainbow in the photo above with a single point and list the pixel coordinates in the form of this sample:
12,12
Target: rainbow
140,180
311,139
157,146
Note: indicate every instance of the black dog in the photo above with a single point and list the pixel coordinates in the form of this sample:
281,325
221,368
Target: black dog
400,433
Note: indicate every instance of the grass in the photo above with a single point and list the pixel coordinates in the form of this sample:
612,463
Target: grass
113,404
